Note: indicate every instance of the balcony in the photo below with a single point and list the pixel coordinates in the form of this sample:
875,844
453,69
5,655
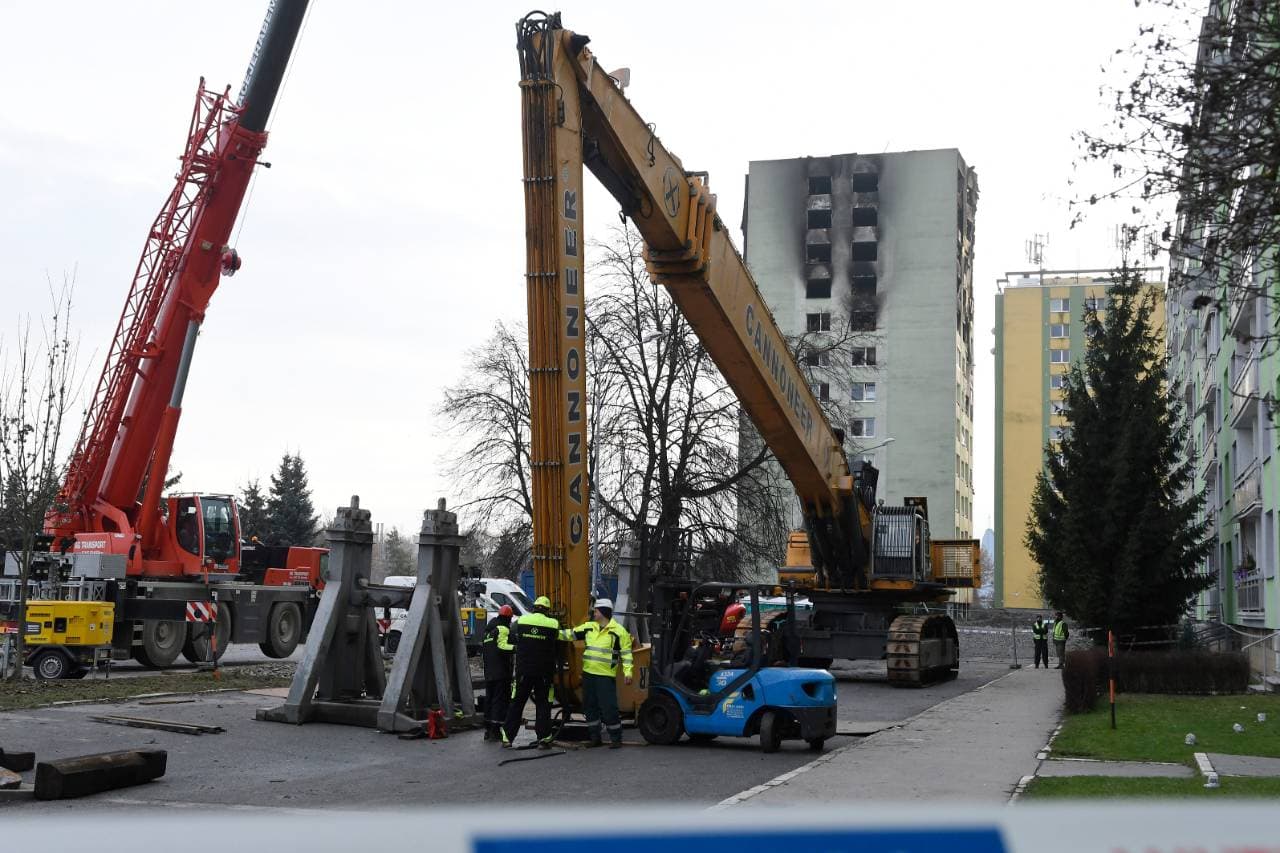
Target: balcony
1242,311
819,202
1246,500
1244,391
817,236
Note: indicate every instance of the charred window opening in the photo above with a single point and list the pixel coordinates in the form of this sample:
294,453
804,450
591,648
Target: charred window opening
818,322
820,218
863,250
820,185
817,288
866,216
823,390
864,182
863,306
818,253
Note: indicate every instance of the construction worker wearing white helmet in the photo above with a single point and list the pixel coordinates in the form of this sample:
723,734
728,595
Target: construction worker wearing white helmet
608,644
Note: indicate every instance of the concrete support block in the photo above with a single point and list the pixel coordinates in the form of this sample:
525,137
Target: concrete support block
92,774
18,762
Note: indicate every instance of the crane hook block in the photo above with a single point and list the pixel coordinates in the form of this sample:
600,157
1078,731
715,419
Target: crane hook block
230,260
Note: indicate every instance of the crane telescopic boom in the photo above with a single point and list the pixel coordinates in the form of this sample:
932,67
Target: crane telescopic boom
129,427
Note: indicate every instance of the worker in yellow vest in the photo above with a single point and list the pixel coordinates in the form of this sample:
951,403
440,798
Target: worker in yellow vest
1060,635
608,644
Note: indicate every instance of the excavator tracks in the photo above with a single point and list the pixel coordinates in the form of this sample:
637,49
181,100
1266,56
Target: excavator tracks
922,650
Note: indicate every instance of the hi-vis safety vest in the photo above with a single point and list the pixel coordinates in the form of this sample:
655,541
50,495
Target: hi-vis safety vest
1039,631
1060,629
605,647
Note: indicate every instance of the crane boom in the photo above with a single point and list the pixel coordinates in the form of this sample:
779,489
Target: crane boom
575,115
129,427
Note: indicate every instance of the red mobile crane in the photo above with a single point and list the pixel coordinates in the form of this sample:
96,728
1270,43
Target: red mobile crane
112,534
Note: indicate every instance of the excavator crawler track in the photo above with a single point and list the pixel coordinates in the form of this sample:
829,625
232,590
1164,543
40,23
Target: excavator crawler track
922,650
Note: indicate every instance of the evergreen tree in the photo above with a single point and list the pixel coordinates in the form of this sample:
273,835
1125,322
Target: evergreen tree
1113,523
253,512
398,554
291,519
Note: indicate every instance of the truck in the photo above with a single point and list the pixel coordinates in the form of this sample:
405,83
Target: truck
174,568
482,599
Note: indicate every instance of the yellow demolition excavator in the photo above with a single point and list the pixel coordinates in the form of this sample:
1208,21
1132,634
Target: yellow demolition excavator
870,571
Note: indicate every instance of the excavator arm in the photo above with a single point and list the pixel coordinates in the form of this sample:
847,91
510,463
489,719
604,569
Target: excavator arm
576,114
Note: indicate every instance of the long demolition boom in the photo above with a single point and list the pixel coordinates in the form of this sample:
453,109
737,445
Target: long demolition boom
575,114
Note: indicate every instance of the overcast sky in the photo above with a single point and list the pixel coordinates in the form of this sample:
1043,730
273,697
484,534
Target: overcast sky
388,237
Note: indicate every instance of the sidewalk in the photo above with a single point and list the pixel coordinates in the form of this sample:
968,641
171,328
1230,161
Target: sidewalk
974,748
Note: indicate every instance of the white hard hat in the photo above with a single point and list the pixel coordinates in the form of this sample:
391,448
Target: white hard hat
605,603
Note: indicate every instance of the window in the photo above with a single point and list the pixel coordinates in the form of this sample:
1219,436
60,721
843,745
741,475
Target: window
818,253
1058,380
820,219
1096,303
1057,407
1060,356
817,288
818,359
820,185
823,391
818,322
862,427
861,251
865,216
1059,305
864,355
863,392
864,182
1059,330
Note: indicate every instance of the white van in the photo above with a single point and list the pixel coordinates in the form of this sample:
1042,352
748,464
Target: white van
493,594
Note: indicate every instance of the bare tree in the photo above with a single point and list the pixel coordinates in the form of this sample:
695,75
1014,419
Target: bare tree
1193,147
664,453
488,415
36,394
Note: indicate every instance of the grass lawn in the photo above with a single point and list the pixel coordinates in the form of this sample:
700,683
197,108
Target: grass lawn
1102,787
1152,728
33,694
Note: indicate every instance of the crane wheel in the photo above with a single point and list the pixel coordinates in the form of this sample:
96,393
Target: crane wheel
922,650
162,642
196,648
284,630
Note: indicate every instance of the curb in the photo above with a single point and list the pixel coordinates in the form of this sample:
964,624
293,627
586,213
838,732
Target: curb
70,703
778,781
1041,757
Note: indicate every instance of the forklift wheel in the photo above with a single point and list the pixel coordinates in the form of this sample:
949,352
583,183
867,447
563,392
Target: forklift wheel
770,731
660,719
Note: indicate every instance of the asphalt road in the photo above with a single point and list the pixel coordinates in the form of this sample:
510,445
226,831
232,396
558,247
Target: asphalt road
273,765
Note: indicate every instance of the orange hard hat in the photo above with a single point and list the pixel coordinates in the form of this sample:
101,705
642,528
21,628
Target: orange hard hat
505,610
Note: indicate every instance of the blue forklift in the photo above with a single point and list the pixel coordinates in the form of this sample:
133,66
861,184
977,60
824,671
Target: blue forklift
711,674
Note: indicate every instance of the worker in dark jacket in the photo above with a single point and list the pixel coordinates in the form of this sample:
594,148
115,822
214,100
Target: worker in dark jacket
497,652
538,635
1040,638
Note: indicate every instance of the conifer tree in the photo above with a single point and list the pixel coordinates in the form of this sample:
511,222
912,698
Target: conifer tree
1113,523
253,512
291,518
